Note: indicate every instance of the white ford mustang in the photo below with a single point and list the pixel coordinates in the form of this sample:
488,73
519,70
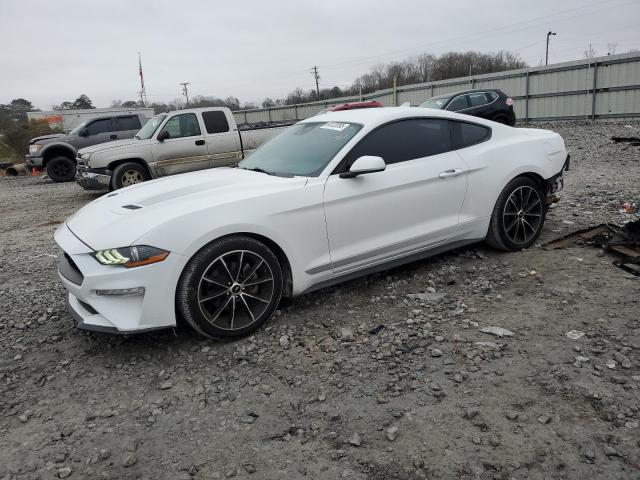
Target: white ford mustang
333,197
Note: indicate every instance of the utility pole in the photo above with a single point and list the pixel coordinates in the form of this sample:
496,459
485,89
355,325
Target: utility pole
546,58
185,91
316,75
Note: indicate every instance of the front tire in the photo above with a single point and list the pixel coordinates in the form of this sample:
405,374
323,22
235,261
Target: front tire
127,174
518,216
230,287
61,169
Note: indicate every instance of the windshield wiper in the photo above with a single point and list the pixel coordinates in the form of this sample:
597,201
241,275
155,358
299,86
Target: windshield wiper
262,170
257,169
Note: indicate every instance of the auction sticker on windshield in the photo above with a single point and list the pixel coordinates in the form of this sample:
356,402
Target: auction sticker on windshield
337,126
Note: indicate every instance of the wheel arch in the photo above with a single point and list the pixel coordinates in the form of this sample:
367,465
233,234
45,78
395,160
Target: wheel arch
57,151
536,177
278,251
112,165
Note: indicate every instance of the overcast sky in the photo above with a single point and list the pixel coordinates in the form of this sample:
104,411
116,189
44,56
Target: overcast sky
53,51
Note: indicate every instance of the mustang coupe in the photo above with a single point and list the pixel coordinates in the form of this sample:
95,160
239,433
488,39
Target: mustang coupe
333,197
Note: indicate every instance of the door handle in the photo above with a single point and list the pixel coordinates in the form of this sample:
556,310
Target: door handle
113,137
454,172
199,142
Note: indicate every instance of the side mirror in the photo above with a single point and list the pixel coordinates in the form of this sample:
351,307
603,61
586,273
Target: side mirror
363,165
163,135
84,132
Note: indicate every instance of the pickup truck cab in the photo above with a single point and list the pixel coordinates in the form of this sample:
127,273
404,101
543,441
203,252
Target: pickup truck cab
168,144
57,153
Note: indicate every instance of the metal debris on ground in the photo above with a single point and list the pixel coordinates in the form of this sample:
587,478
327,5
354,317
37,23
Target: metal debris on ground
630,207
575,334
633,141
622,241
497,331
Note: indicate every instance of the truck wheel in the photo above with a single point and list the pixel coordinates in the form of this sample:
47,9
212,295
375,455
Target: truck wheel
61,169
127,174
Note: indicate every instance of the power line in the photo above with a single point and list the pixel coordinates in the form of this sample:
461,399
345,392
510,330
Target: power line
478,35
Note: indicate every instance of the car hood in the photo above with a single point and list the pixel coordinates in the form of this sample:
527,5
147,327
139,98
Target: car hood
119,218
100,147
48,138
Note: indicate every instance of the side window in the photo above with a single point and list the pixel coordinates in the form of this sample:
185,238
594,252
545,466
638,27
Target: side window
458,103
478,99
215,122
100,126
491,96
183,125
128,123
404,140
467,134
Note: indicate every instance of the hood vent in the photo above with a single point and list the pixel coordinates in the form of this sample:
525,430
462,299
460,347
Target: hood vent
132,207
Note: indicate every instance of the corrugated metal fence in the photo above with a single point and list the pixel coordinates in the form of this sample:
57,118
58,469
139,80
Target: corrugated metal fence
602,87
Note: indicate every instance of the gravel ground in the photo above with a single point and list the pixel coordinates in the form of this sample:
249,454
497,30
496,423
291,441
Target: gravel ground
360,381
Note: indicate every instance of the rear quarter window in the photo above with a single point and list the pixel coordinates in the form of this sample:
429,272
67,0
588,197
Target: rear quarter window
468,134
215,122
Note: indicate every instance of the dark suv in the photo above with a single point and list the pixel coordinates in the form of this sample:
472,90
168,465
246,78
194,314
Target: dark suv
491,104
57,153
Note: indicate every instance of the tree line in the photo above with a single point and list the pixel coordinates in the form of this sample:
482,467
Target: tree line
419,69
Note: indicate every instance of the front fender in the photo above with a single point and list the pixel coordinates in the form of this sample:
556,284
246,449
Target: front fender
49,146
103,160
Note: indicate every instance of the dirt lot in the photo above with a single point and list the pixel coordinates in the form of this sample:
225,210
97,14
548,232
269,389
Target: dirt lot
324,391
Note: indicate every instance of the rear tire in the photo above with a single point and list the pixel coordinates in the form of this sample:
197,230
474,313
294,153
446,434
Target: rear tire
518,216
230,287
61,169
127,174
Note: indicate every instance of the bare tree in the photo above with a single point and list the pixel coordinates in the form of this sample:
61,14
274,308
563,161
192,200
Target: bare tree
589,53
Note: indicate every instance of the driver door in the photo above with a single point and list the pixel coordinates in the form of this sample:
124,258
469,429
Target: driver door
185,149
98,131
412,205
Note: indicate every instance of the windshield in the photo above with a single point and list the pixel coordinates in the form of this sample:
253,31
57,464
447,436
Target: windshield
78,128
150,127
436,102
304,149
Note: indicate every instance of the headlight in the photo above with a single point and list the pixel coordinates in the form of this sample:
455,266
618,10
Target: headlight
131,256
35,148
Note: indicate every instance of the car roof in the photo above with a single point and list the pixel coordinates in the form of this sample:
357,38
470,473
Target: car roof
377,116
354,105
464,92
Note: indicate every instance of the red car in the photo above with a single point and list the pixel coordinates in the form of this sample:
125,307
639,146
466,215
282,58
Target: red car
352,106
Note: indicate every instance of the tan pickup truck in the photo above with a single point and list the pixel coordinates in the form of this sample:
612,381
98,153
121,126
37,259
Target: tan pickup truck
168,144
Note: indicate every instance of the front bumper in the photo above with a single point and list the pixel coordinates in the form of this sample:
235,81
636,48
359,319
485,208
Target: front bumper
92,178
82,275
34,161
93,181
